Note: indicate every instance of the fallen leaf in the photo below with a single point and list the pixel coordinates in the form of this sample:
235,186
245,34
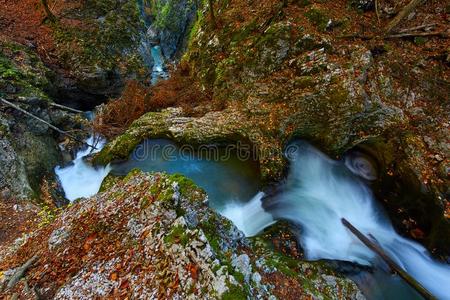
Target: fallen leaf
113,276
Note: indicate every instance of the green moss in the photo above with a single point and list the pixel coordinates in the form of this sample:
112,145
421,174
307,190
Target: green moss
120,150
238,276
195,29
114,27
8,71
109,182
235,292
23,70
166,195
318,18
132,174
210,230
186,185
177,235
303,82
145,202
286,265
303,3
419,40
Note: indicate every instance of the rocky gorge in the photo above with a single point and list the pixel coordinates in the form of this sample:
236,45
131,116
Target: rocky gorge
273,72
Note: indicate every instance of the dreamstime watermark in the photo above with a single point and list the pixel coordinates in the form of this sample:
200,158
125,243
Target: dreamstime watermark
239,150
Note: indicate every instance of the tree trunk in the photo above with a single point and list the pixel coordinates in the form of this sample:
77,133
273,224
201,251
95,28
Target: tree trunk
211,11
50,15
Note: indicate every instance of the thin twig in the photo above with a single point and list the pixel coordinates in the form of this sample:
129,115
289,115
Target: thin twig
45,122
440,34
356,36
377,11
65,107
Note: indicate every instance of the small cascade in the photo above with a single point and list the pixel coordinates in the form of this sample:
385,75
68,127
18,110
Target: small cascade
249,217
318,193
80,179
159,69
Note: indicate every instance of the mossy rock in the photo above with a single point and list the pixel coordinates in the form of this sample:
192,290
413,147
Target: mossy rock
22,73
317,17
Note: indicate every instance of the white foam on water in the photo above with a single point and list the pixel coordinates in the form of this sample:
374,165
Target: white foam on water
318,193
250,217
80,179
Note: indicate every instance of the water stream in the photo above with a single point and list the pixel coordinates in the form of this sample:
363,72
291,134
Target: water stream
79,178
318,192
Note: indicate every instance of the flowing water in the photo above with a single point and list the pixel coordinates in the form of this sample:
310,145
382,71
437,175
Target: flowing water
316,195
79,178
159,70
318,192
224,177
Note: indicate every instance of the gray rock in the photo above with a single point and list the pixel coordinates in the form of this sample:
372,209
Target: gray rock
242,264
57,237
13,177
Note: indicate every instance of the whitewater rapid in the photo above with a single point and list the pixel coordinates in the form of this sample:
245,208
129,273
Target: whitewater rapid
80,179
317,194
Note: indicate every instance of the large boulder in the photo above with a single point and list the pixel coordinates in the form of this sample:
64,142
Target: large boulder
153,236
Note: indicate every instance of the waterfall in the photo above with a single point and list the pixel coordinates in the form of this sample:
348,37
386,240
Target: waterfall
80,179
317,194
250,217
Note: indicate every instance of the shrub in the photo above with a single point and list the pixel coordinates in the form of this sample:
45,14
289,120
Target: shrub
114,117
137,99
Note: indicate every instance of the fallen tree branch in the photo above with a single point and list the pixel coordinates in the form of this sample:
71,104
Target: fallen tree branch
45,122
440,34
417,28
443,35
18,274
392,264
402,14
65,107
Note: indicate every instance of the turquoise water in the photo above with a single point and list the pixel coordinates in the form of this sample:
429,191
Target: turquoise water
224,177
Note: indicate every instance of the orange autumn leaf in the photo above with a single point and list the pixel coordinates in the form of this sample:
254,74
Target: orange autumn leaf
89,241
113,276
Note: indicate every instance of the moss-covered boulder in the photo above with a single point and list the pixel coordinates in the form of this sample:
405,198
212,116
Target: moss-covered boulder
223,128
152,235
